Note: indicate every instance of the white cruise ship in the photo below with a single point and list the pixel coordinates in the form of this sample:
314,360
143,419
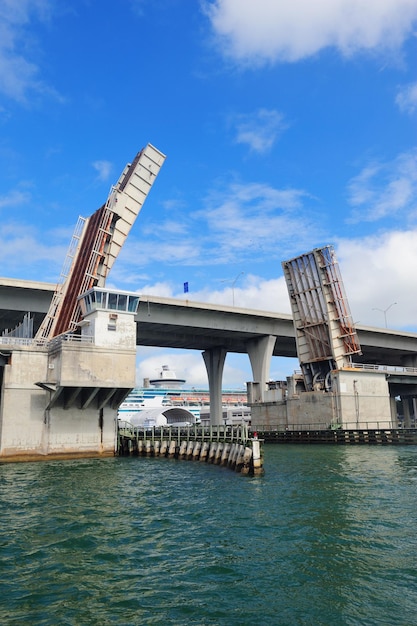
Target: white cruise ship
164,401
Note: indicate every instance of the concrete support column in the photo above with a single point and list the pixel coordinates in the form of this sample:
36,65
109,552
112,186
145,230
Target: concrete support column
214,360
406,409
394,418
260,353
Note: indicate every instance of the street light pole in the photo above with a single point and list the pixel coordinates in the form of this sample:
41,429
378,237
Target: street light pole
384,311
233,286
233,281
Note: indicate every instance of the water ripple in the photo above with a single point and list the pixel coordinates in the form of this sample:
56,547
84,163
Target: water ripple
326,537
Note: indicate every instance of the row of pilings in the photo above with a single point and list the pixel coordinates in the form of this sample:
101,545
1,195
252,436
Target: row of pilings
228,446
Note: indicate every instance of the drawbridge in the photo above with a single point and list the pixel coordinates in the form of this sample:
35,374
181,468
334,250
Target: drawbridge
326,337
97,241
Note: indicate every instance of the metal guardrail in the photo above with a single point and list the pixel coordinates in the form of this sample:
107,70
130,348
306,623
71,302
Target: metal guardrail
372,367
390,369
16,341
50,343
345,426
69,338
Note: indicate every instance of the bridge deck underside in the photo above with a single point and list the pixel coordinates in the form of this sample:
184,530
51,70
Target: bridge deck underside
197,338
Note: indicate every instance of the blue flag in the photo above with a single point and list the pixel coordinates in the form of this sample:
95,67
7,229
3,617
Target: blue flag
186,287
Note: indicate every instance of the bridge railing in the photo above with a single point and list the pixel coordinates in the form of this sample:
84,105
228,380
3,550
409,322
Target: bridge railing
352,426
69,338
390,369
16,341
50,343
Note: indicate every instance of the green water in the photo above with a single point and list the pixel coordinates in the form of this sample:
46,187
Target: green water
327,536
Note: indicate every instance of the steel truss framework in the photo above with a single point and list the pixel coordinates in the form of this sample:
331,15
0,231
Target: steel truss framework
325,334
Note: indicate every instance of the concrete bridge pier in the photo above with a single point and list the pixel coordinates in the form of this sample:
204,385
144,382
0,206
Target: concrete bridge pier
214,361
260,353
393,406
406,409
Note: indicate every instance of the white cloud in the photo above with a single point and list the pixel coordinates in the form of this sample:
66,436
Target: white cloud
239,222
14,198
249,292
160,288
259,130
103,169
256,219
23,252
189,365
407,98
155,250
19,74
271,31
377,271
385,190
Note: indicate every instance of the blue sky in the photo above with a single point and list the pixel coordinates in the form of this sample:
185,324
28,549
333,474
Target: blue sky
286,126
